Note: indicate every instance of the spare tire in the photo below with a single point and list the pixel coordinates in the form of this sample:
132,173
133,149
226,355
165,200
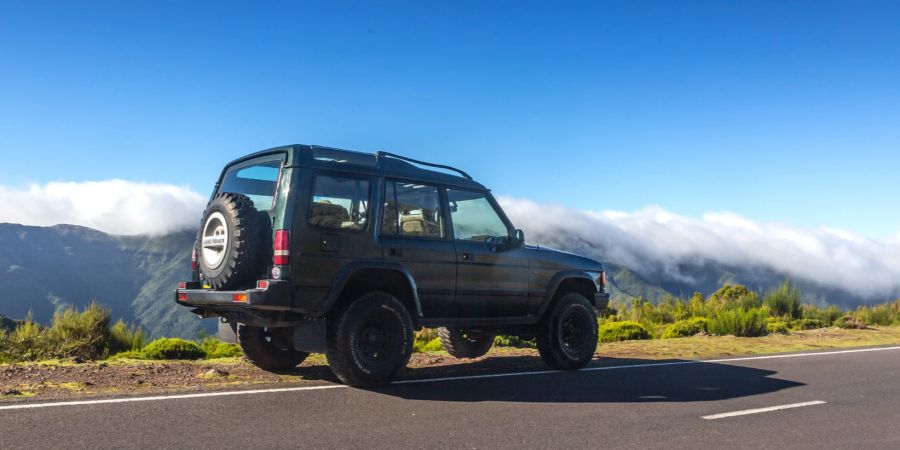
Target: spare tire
231,234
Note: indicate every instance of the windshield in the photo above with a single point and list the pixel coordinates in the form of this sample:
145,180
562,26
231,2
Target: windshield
257,179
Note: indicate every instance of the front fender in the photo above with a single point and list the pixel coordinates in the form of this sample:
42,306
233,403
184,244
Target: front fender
560,277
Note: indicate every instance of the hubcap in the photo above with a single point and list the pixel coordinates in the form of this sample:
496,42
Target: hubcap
574,332
214,241
571,334
374,340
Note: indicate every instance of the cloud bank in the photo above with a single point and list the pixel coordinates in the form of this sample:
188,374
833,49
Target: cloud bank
111,206
652,239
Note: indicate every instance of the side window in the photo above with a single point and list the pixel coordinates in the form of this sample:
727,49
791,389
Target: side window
412,209
474,218
339,203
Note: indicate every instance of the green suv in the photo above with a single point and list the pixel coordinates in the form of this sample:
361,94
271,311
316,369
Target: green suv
312,249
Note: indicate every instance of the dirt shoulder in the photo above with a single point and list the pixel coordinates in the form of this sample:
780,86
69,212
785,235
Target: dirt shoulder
65,379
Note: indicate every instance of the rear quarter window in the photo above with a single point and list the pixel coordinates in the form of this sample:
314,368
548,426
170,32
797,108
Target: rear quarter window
339,203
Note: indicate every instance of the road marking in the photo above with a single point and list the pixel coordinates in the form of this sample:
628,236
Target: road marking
427,380
640,366
762,410
168,397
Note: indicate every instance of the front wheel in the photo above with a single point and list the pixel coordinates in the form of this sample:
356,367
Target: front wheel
567,335
269,348
370,340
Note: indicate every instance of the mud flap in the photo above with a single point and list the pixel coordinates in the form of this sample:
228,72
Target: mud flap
309,336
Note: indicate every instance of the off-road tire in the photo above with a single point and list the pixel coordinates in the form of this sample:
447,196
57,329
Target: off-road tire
269,348
238,263
567,334
369,340
462,344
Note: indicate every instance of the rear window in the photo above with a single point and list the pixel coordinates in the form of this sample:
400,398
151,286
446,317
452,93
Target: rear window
257,179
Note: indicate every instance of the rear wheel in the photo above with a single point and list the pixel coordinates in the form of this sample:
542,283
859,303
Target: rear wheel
370,340
269,348
567,335
465,344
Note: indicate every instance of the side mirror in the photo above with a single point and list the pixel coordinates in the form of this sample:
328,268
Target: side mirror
518,238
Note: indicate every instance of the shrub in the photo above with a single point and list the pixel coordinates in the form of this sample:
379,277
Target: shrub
172,348
784,301
828,315
732,296
850,322
514,341
623,331
685,328
809,324
775,325
739,322
27,342
884,314
433,345
424,339
124,337
214,348
82,334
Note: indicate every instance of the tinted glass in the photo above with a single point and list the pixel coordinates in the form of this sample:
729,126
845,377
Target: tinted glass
474,218
412,209
256,179
389,223
340,203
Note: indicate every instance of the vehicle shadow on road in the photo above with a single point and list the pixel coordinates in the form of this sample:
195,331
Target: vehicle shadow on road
679,381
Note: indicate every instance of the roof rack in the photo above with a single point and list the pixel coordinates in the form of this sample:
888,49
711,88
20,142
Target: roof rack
415,161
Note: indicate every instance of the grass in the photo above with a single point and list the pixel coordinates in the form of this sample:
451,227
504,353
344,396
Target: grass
705,347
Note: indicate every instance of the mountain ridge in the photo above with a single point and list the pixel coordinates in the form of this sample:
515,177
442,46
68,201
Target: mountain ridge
50,267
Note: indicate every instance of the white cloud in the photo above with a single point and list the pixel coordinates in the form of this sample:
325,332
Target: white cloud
654,239
649,239
113,206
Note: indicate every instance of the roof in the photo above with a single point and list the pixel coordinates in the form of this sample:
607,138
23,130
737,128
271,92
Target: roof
381,163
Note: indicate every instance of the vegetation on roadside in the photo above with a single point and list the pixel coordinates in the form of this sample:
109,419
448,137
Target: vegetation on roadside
733,310
626,330
90,334
86,334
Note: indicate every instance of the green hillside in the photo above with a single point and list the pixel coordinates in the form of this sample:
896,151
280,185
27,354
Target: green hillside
48,267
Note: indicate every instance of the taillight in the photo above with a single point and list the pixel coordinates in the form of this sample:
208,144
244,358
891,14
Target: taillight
282,255
194,265
603,279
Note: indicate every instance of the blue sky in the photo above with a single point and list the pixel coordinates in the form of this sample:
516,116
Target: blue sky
778,112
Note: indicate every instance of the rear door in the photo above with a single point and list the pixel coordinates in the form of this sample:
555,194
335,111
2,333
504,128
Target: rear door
491,279
414,234
331,229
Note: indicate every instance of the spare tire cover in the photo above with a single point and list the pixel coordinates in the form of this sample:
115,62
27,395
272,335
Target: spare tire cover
230,236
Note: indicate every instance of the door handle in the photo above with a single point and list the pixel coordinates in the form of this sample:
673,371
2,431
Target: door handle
466,256
395,252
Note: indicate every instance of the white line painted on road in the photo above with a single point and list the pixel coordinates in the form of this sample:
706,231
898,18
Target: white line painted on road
640,366
429,380
167,397
762,410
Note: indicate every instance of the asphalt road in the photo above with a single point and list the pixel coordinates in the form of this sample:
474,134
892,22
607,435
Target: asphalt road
835,400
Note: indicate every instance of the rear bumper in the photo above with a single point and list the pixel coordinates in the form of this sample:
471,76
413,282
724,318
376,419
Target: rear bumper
276,297
601,300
